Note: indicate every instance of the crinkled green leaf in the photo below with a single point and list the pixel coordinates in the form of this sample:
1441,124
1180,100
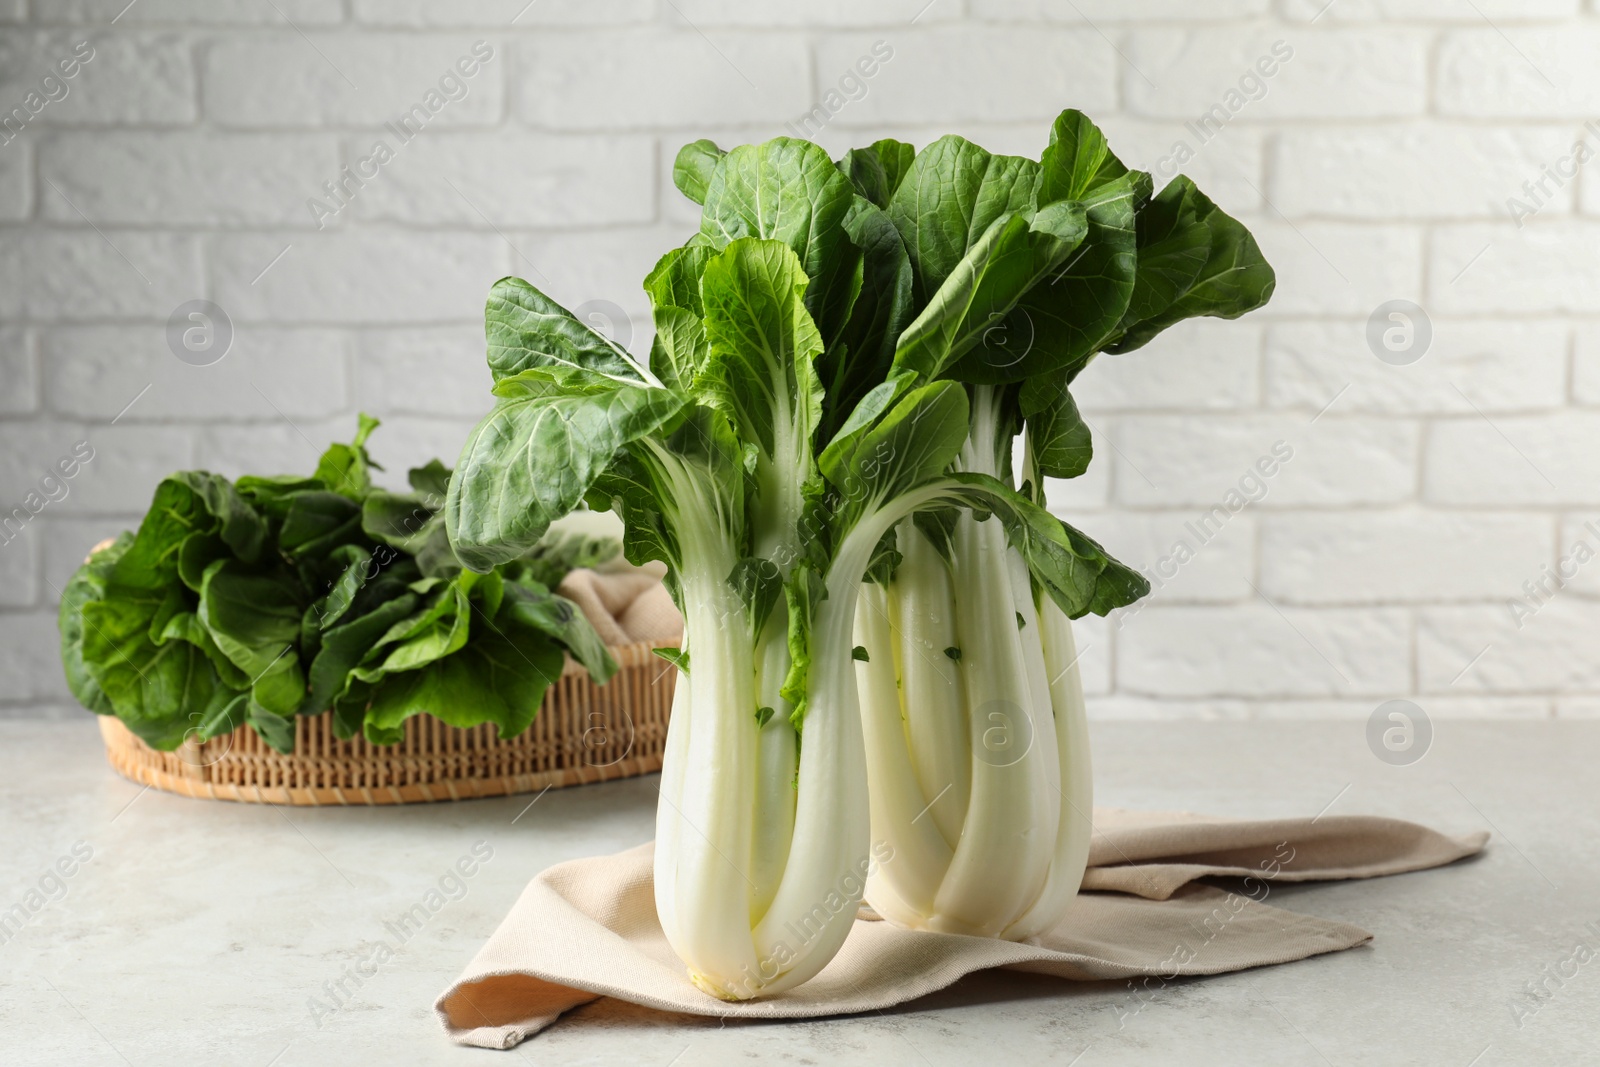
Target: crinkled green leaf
692,169
1078,161
953,193
860,357
272,495
275,729
788,190
186,626
968,310
317,522
528,330
877,170
1073,569
835,458
560,619
914,441
1067,317
679,351
86,585
1174,244
1061,442
499,678
399,520
763,344
223,715
186,503
438,628
254,619
347,469
1234,279
534,457
358,569
344,647
430,481
153,688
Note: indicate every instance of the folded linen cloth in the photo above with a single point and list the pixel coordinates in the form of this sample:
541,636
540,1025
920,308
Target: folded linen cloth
587,928
624,603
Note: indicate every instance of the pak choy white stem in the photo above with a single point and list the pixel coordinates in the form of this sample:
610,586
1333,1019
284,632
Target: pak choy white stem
967,772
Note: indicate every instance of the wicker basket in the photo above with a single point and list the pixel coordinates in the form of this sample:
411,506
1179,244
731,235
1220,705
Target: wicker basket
583,733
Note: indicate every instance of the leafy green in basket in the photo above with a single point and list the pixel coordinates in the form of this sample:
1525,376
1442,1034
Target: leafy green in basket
259,600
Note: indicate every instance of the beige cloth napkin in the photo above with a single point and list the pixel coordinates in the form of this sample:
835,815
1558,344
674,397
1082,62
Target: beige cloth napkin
625,603
587,928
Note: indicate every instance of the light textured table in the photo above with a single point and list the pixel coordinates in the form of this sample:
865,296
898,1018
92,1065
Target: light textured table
212,933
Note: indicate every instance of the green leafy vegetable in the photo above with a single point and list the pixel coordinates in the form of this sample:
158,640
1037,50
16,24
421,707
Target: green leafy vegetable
806,394
1024,273
256,601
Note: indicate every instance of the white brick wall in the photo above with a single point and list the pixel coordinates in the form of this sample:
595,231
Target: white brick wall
1375,163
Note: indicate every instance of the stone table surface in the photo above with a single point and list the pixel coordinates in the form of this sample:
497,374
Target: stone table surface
207,932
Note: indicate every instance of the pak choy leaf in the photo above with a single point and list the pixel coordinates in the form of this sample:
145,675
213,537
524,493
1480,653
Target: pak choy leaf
1060,441
913,440
533,458
1078,308
789,191
431,482
152,686
693,167
225,714
527,330
1078,162
680,350
275,729
254,618
499,678
877,170
862,354
272,495
439,627
969,310
125,642
1234,278
763,346
359,567
346,645
186,626
759,584
395,519
347,468
561,620
1073,569
950,197
186,503
319,521
86,585
1068,315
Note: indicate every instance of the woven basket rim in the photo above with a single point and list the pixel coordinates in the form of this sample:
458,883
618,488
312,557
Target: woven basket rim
582,733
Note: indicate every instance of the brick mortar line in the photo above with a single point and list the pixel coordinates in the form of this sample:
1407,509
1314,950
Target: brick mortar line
1467,23
1244,122
1416,227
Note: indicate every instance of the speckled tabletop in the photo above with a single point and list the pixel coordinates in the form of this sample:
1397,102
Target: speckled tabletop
210,933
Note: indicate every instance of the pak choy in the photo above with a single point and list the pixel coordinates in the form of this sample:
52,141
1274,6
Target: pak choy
765,452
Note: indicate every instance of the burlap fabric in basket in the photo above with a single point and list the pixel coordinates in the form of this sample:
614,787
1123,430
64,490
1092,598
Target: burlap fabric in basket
587,928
